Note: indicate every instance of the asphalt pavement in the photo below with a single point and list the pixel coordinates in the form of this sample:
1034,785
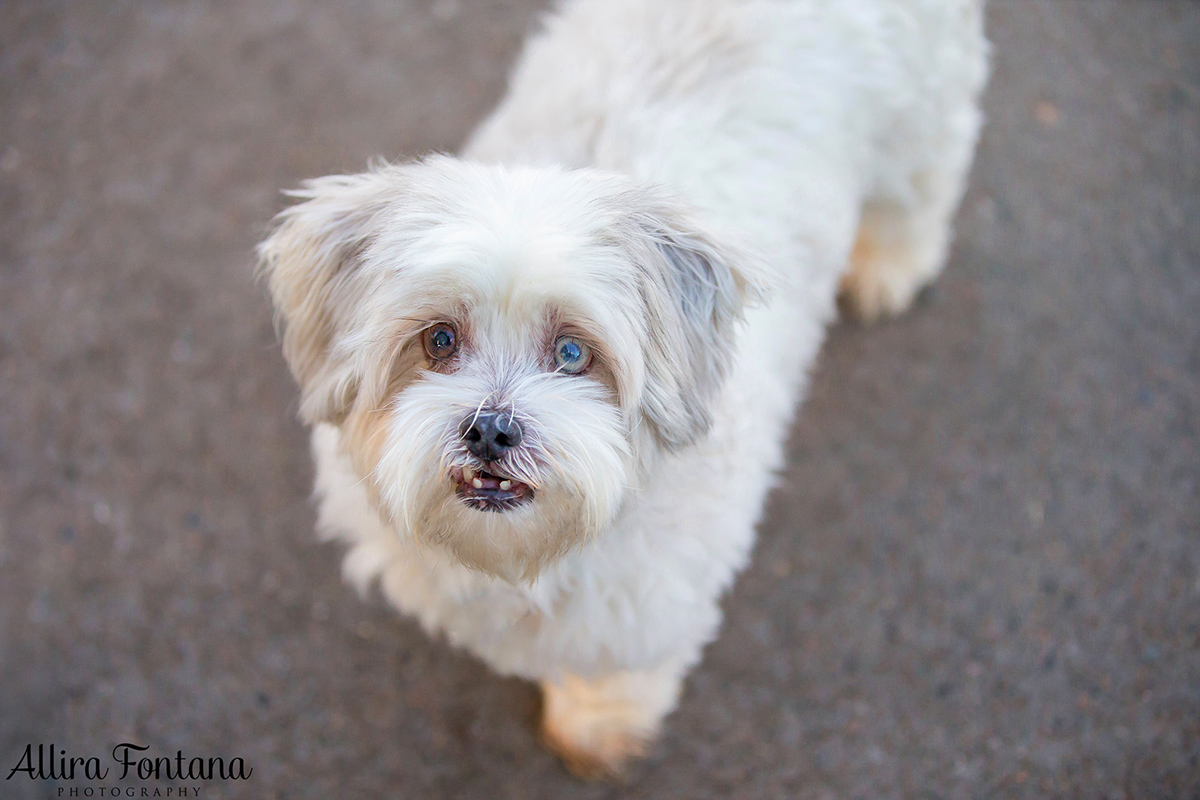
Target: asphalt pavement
979,577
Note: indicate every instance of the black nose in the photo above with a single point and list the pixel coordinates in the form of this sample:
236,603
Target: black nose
490,434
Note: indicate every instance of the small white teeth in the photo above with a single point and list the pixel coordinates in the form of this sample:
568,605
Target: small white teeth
478,484
505,485
468,474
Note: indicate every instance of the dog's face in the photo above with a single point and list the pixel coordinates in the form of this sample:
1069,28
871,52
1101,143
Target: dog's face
505,351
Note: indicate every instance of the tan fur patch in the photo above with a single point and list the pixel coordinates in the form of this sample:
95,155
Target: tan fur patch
366,428
595,735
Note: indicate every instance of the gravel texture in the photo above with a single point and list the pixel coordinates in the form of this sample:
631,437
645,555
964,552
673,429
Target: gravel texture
980,576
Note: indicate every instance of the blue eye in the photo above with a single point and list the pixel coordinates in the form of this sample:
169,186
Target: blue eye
571,355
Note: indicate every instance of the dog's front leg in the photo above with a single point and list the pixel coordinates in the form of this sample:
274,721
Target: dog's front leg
598,724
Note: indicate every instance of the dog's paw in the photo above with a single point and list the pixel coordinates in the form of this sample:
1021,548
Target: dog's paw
896,255
599,726
881,282
868,301
597,745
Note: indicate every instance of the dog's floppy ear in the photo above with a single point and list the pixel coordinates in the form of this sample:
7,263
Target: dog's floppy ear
311,262
695,291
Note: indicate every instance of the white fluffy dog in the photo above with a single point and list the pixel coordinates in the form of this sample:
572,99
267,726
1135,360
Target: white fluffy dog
550,382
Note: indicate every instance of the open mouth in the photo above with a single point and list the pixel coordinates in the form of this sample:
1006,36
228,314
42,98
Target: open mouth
486,491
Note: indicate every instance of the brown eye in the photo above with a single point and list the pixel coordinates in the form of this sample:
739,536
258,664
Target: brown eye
440,341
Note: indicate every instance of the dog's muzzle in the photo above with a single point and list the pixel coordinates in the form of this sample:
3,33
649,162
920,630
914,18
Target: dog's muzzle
490,436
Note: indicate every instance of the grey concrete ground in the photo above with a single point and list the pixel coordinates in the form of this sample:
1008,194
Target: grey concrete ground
980,577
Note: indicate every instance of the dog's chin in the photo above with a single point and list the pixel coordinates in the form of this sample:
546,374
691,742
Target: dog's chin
512,534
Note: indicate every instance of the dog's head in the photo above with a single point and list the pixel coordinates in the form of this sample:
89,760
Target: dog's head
505,351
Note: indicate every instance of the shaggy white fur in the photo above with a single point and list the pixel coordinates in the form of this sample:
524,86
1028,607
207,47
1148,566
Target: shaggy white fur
653,168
